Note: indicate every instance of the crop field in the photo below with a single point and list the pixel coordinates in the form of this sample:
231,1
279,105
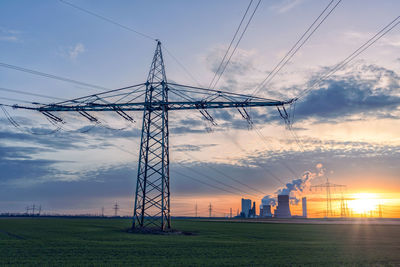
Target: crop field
106,242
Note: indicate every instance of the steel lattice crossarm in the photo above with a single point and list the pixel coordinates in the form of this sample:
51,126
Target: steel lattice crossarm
180,97
156,97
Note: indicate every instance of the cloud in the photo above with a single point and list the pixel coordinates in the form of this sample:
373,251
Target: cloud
369,91
75,51
241,63
191,148
20,168
286,5
9,35
72,52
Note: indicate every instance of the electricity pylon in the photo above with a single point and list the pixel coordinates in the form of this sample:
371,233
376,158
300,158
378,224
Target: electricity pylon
327,185
156,97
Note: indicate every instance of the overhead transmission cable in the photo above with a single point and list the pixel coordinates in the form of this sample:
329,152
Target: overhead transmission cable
353,55
108,20
227,176
180,64
296,47
205,183
51,76
30,94
346,61
230,45
289,55
236,45
216,180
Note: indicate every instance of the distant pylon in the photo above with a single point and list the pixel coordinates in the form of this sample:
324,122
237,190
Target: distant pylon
327,185
195,210
210,210
343,207
230,214
116,208
102,211
40,210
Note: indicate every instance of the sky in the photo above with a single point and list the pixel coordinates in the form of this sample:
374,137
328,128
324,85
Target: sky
345,130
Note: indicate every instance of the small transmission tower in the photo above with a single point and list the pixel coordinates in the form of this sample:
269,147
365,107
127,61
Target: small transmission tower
327,185
116,208
344,212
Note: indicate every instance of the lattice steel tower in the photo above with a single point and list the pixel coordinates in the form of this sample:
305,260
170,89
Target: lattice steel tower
155,98
152,199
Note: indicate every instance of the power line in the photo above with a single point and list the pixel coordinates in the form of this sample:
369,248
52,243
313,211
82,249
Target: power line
353,55
215,180
131,30
17,100
205,183
108,20
227,176
47,75
182,66
230,45
289,54
237,43
30,94
285,60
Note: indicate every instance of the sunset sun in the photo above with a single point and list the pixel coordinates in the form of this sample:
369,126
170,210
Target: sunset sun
362,203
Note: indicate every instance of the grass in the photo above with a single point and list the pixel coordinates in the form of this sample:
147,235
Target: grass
104,242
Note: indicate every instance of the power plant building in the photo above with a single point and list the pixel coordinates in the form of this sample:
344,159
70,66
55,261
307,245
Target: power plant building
265,211
252,212
283,210
246,208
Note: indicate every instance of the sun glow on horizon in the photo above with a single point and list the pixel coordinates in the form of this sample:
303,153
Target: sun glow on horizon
363,203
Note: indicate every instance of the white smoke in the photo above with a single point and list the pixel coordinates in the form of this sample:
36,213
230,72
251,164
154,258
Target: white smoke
296,187
268,200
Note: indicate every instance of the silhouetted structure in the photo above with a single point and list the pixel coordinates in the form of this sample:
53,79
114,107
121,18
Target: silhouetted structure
116,208
328,187
252,212
265,211
246,207
304,206
283,210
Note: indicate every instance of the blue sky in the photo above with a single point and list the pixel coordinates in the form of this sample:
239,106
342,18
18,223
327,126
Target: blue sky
349,124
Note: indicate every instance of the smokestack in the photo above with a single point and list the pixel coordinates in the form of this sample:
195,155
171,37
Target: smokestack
304,204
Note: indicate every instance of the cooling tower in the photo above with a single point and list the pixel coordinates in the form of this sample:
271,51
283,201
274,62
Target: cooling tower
283,210
265,211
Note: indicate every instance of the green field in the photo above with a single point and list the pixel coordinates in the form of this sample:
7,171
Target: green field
105,242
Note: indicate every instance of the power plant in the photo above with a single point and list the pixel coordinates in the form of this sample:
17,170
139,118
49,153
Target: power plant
247,210
265,211
283,210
